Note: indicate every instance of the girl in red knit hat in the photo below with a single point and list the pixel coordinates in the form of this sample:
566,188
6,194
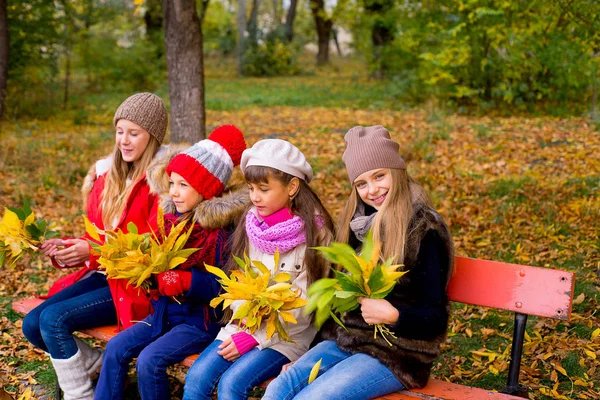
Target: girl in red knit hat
182,323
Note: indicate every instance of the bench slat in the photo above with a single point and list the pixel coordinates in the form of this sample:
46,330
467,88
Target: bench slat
104,332
437,389
537,291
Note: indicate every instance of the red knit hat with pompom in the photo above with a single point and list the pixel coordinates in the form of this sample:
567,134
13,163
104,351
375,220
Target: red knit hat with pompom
208,164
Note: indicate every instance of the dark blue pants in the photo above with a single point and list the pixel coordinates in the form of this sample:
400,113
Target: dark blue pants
84,305
154,356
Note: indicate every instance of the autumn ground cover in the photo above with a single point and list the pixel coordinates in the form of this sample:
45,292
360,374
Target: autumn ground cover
515,189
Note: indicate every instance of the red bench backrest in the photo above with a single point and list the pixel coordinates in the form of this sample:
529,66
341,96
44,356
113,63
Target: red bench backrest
537,291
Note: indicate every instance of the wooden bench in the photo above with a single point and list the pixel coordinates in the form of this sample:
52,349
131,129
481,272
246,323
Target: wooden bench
521,289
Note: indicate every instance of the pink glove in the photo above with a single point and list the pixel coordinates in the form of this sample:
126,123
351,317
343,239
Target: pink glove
174,283
244,342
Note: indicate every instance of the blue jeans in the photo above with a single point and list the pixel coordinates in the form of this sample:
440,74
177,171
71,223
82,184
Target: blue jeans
84,305
235,379
154,356
341,376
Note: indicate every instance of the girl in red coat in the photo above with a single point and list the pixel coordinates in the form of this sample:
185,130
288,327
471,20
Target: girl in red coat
182,323
117,193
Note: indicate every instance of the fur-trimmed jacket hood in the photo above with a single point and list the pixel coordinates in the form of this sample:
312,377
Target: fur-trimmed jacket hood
421,300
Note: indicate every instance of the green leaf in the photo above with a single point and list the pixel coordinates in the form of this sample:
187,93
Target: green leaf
321,285
338,321
132,228
33,231
376,280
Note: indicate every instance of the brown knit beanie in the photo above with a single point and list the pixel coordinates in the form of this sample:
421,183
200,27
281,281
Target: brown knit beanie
148,111
369,148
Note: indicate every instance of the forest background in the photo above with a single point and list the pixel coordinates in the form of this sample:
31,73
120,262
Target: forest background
494,104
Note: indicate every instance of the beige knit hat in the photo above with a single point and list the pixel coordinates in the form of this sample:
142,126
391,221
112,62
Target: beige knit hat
369,148
148,111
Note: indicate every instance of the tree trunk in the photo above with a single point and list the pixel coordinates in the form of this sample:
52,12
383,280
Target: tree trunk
336,41
253,24
241,41
67,71
89,9
183,41
153,19
382,32
289,20
3,55
323,24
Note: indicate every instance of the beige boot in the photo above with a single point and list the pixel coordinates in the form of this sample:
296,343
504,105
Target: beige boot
73,377
92,357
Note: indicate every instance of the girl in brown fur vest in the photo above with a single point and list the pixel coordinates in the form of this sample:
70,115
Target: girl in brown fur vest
386,200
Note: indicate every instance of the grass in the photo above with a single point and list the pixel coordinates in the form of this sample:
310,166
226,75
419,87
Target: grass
545,203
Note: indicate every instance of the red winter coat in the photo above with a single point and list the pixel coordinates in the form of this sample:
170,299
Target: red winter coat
141,208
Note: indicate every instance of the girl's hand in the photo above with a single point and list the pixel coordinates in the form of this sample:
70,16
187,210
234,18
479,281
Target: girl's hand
228,350
287,366
378,311
77,252
51,246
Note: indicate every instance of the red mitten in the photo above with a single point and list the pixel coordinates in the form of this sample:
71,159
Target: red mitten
174,283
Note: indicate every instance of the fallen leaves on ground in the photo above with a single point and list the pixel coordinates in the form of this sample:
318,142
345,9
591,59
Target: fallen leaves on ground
521,190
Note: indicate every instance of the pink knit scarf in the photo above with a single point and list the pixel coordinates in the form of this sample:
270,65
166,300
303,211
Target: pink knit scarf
283,236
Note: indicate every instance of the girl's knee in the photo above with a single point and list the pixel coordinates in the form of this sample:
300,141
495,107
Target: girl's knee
50,322
114,350
149,364
31,326
232,386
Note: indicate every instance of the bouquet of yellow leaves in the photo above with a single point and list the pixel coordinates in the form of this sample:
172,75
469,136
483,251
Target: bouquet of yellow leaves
267,298
21,232
136,257
366,277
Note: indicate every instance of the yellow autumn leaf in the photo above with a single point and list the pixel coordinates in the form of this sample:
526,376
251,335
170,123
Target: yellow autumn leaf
288,317
282,277
560,369
314,371
589,353
579,299
596,333
26,395
216,271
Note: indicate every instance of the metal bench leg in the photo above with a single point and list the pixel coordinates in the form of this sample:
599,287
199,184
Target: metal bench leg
58,394
513,386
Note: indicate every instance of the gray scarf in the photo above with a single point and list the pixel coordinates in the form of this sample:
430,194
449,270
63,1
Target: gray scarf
361,223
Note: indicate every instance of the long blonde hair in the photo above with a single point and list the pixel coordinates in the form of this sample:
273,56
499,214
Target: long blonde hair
390,226
116,191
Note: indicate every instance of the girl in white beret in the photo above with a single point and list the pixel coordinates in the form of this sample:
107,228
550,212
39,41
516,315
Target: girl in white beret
285,215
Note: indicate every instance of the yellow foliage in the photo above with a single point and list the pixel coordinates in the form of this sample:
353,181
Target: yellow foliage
20,232
136,257
266,298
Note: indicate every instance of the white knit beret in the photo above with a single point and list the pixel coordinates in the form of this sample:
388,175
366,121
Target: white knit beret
278,154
